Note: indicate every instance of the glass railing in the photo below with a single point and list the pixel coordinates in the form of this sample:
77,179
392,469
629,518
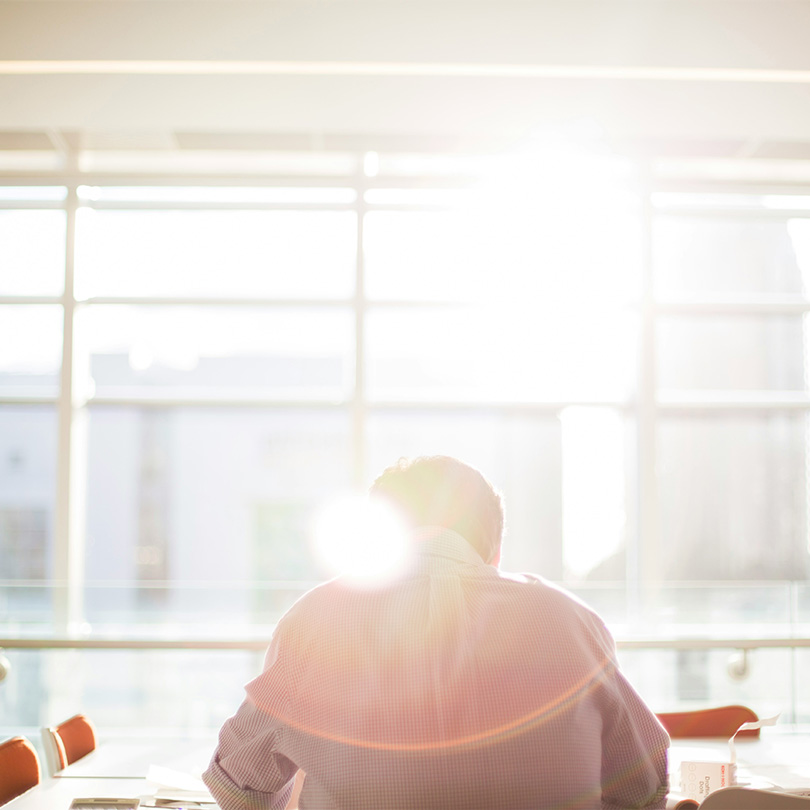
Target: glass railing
175,657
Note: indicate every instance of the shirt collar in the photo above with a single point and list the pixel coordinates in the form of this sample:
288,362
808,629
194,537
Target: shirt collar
437,541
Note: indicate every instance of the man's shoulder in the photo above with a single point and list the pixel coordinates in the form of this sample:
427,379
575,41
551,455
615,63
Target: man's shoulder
554,602
309,602
325,603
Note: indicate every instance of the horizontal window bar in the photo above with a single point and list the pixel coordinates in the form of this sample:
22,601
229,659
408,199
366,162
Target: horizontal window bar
729,306
171,205
53,643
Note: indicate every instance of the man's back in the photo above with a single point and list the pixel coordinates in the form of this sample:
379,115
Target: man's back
454,687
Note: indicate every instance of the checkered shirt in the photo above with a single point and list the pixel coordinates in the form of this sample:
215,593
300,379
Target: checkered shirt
455,687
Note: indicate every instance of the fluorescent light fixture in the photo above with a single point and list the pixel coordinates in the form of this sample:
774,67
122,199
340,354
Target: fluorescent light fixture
438,69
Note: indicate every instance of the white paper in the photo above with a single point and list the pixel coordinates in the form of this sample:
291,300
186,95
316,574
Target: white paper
768,721
168,779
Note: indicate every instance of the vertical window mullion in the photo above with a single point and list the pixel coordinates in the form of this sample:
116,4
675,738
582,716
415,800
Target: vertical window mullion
359,393
644,574
67,565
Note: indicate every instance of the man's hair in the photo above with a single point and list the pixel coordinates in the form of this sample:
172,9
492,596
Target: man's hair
443,491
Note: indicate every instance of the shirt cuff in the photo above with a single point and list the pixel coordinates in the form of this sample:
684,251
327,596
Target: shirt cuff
230,796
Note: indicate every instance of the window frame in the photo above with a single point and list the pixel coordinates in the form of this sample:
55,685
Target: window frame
649,405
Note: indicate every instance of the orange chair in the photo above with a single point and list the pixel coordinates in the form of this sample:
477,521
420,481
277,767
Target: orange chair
19,768
67,742
722,721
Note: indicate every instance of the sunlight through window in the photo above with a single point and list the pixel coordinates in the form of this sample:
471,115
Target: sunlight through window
362,539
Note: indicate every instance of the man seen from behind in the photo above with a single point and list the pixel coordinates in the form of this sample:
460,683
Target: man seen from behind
454,686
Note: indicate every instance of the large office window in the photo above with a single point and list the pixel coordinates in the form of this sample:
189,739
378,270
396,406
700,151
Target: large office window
190,371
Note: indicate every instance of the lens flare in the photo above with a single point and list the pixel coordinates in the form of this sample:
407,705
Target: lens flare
361,539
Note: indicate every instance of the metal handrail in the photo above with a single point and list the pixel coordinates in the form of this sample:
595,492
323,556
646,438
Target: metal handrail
652,643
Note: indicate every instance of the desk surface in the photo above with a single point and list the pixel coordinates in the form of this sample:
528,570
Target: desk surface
132,757
781,757
119,766
57,794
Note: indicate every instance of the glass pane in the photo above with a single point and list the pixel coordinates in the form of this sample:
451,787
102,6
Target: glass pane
737,353
198,519
218,352
30,348
713,256
730,201
802,591
297,254
733,495
713,609
679,680
28,443
32,252
433,256
515,253
608,599
204,154
217,194
802,659
440,197
181,691
39,193
501,353
520,455
598,462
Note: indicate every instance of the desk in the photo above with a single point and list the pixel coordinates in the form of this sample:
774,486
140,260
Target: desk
118,767
57,794
131,757
780,757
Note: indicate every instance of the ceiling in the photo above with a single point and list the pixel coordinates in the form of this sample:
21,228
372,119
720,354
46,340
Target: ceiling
728,78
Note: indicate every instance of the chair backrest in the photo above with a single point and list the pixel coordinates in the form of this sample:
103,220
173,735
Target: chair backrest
19,768
721,721
67,742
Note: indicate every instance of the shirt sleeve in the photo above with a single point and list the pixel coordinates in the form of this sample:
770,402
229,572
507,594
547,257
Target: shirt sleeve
634,746
247,771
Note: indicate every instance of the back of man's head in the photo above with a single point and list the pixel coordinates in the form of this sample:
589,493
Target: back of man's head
443,491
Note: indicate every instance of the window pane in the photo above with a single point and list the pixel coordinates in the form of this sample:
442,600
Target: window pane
32,252
678,680
803,603
217,194
297,254
421,255
30,348
38,193
509,353
514,253
520,455
28,444
693,255
218,351
598,465
743,352
185,691
201,517
802,664
723,609
733,494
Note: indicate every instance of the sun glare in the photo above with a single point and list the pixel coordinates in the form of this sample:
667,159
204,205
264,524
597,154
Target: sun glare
362,540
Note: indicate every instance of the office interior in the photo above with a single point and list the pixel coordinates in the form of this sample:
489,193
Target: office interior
254,251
